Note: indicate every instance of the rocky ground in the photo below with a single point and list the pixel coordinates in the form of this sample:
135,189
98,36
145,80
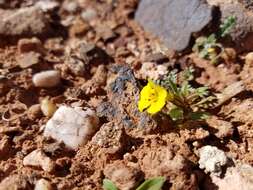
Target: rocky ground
70,77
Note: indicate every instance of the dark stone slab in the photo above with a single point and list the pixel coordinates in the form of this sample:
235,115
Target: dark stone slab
173,21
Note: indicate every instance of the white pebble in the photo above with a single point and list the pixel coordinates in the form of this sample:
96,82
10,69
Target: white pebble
38,158
47,79
72,126
212,159
43,184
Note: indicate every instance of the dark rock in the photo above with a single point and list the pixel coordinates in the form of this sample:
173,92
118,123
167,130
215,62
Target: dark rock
123,101
173,21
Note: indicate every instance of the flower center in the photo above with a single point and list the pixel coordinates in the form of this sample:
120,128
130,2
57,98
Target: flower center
152,97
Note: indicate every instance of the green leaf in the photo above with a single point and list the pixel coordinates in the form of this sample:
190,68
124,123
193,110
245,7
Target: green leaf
202,91
152,184
176,113
108,185
226,27
211,39
199,115
188,74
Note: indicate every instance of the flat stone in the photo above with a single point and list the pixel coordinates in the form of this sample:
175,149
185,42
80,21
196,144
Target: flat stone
39,159
72,126
28,21
29,59
173,21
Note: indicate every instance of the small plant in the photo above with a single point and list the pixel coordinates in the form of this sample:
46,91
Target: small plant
149,184
109,185
208,47
179,100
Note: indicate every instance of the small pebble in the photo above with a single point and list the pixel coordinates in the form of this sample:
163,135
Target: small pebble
38,158
47,79
47,5
34,112
71,7
249,58
48,107
43,184
88,14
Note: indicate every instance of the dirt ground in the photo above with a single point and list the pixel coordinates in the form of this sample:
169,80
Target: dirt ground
113,46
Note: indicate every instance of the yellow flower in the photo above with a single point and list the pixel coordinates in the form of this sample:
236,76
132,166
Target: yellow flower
211,50
152,97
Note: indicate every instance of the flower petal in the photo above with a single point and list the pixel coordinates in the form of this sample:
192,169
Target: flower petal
156,107
144,102
145,91
162,93
159,104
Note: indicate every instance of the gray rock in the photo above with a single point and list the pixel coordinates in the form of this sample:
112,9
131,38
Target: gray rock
123,95
173,21
28,21
47,79
72,126
212,160
242,33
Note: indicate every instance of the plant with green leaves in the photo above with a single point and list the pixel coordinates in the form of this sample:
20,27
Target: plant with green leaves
149,184
188,103
178,100
208,47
